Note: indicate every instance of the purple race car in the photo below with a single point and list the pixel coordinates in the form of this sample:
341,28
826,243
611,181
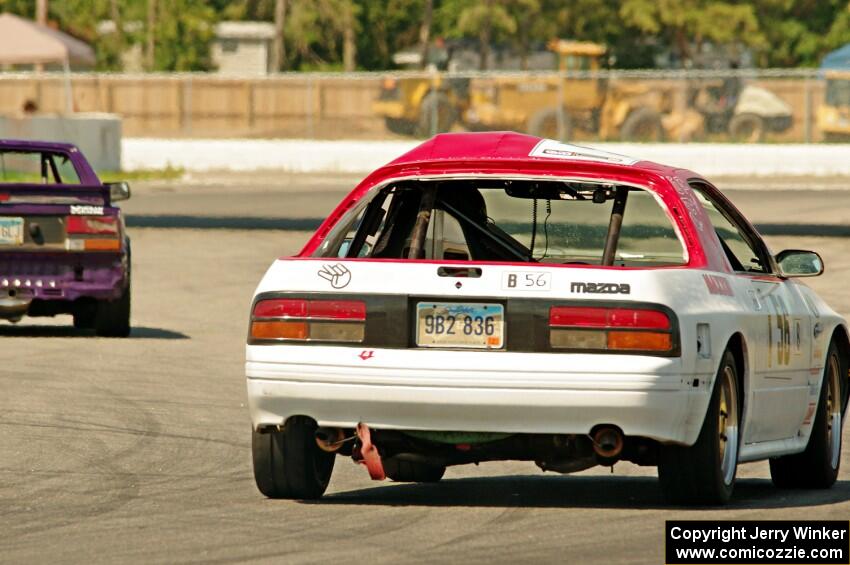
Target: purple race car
63,245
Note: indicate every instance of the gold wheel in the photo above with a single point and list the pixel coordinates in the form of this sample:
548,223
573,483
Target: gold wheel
833,411
727,428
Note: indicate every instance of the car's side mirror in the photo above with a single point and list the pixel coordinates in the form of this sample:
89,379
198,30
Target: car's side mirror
118,190
799,263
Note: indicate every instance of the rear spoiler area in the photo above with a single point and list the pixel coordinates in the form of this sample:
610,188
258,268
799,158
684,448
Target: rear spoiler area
55,194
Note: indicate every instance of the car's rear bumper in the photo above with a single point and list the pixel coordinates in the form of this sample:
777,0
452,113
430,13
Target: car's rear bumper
27,278
478,391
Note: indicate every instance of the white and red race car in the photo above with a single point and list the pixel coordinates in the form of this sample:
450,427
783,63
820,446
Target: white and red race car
496,296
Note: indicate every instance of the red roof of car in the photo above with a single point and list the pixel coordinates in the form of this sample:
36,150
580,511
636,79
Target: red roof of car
495,146
510,153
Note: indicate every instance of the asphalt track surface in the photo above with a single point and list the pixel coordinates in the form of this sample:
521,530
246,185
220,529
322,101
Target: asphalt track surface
138,450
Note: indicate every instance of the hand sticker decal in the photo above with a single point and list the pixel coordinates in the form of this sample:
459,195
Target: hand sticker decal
338,275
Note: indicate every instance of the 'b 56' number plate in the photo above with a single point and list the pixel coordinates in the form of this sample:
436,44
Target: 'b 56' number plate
447,324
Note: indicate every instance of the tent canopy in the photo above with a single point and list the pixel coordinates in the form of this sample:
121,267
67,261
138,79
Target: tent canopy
838,59
24,42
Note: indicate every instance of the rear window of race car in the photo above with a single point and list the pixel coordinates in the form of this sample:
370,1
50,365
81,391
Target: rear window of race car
36,167
523,220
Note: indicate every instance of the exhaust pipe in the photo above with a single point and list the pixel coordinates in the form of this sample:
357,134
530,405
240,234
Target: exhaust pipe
329,439
607,442
13,306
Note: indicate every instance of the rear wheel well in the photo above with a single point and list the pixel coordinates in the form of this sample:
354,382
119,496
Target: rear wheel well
738,348
842,342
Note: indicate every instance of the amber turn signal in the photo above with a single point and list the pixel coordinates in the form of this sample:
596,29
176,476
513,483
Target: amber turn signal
640,341
278,330
102,244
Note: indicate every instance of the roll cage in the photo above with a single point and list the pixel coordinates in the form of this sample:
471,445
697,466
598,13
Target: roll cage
414,203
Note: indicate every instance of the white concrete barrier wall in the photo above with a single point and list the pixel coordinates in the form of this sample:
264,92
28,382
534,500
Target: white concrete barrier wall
307,156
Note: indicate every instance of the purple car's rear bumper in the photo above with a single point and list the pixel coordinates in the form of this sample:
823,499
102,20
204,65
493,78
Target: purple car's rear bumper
26,278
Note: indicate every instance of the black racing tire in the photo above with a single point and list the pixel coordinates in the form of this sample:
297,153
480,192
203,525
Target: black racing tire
289,464
747,128
435,104
112,317
834,137
84,316
817,467
643,125
544,123
412,472
704,473
399,126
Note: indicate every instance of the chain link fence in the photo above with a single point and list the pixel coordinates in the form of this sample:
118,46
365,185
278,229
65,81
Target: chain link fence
773,106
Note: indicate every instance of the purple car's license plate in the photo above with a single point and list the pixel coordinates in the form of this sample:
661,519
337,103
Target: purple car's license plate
11,231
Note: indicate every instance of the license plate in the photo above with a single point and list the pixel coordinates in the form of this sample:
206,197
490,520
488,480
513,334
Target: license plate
11,231
450,324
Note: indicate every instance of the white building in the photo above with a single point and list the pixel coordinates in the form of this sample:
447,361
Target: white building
242,47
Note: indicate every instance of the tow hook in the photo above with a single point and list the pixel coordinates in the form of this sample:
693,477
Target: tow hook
369,455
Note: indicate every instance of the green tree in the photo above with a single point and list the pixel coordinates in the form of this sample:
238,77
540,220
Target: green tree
337,34
388,26
533,23
184,31
839,32
22,8
683,23
599,21
801,32
488,21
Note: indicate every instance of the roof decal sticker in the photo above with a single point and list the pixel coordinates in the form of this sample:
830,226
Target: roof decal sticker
552,149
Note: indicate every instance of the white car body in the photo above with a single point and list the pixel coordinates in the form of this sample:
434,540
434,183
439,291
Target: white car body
781,328
656,397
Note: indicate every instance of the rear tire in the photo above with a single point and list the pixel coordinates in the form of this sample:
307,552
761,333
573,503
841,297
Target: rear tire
289,464
112,317
545,124
704,473
817,467
643,125
412,472
747,128
84,316
435,104
399,126
833,137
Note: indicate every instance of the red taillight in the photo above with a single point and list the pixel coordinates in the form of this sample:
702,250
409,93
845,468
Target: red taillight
281,309
610,328
306,320
338,309
566,316
595,317
92,233
311,309
634,318
91,225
